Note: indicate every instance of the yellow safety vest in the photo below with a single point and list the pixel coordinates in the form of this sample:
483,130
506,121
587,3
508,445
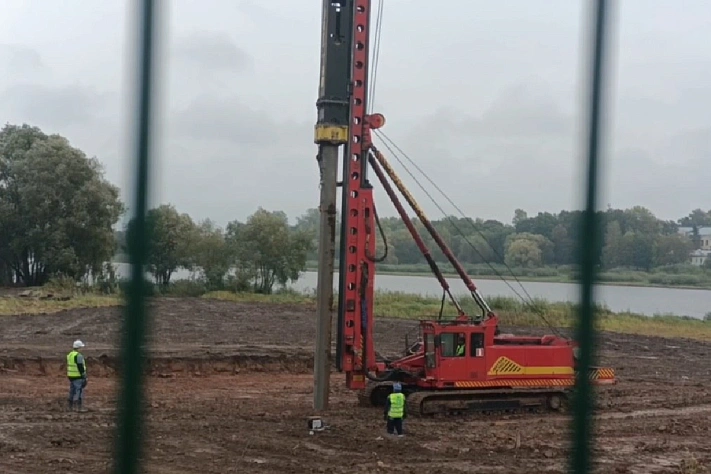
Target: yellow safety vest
460,350
72,368
397,405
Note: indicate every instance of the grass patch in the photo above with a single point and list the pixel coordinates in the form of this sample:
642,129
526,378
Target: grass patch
14,305
396,305
510,311
285,297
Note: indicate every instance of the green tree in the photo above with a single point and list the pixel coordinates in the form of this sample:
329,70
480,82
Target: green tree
170,241
637,251
309,223
562,245
641,220
571,220
56,209
612,251
404,246
473,249
671,250
496,233
269,248
5,274
543,244
211,254
697,217
520,216
543,224
524,253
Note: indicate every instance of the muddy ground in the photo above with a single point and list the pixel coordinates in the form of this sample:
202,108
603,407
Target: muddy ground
230,390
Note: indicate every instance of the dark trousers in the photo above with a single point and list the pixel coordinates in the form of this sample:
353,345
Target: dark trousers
76,391
395,424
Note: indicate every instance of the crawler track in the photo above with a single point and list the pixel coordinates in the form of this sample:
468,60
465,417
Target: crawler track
375,394
462,402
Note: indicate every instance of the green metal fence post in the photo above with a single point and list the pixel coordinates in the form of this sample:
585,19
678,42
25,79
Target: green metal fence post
129,421
589,254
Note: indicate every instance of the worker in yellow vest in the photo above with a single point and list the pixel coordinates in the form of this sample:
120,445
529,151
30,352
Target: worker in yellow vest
460,347
395,410
76,373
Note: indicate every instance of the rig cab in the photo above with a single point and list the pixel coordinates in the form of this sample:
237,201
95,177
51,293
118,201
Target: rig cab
460,353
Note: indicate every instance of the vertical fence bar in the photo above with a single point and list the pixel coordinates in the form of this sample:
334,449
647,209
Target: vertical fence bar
129,421
589,254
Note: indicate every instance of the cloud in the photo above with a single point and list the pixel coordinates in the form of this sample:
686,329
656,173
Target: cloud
689,148
524,111
20,60
52,106
212,52
518,112
522,125
229,120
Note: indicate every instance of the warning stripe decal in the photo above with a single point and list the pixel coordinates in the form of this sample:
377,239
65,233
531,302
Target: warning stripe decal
518,383
505,366
602,374
597,374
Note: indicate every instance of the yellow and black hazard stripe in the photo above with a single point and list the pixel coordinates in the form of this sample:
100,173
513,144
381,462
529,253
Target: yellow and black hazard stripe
517,383
606,373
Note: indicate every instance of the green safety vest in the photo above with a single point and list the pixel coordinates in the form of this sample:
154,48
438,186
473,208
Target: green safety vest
72,368
397,405
460,350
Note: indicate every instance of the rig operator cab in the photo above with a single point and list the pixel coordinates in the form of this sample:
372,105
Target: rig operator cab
454,352
461,354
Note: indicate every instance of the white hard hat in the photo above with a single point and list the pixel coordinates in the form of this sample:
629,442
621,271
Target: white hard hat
78,344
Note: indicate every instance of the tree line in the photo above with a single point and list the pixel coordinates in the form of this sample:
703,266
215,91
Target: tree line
631,239
244,256
58,217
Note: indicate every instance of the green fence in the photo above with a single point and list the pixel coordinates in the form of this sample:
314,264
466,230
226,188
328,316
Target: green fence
130,431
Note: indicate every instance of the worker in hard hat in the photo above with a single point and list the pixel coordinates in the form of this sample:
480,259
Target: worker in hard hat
395,410
76,373
461,345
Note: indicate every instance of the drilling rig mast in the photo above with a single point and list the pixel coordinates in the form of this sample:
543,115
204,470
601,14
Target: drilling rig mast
330,133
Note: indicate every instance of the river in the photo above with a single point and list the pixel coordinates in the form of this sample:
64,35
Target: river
642,300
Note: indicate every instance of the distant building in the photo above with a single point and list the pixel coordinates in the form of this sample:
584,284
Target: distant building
699,256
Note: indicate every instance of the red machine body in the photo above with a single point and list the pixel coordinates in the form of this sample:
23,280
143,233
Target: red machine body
494,371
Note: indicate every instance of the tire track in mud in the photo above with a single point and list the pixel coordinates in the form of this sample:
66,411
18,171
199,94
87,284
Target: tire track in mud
660,412
613,415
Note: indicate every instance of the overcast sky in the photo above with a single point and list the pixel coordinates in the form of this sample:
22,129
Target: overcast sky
486,96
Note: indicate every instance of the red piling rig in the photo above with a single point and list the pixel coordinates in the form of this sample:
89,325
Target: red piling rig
462,365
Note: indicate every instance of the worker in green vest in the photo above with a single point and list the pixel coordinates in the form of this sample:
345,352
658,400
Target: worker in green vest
76,373
395,410
460,346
